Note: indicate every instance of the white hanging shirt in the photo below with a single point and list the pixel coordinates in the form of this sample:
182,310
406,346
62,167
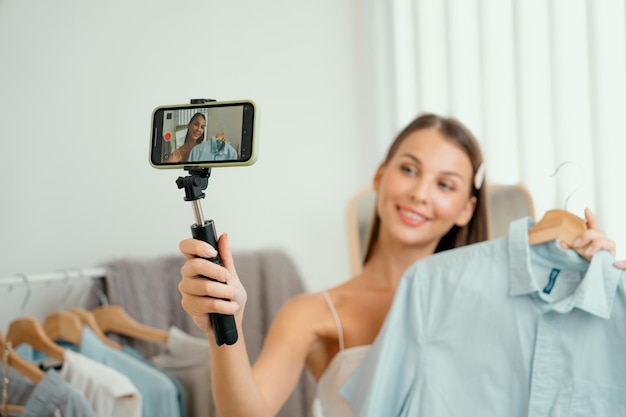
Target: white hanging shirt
109,392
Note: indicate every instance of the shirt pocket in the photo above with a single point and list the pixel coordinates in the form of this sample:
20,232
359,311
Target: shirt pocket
591,399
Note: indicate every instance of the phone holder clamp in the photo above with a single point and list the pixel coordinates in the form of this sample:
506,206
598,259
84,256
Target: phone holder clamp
195,183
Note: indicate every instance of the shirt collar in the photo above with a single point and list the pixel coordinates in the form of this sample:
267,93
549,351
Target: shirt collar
92,346
214,146
594,294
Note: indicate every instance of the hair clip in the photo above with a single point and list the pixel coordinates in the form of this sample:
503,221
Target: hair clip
480,176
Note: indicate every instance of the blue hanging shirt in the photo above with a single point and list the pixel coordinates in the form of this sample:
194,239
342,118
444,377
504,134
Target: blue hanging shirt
159,394
180,392
213,150
500,328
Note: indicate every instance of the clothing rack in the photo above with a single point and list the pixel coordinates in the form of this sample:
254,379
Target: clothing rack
38,295
68,274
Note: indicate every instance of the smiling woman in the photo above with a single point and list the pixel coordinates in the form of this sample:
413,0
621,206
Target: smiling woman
193,137
428,200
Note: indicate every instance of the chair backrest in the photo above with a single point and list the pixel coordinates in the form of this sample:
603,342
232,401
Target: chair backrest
505,204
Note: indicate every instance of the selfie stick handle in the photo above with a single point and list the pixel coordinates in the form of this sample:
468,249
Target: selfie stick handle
224,326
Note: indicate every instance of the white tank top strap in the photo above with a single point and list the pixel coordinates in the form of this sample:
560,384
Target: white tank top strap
333,310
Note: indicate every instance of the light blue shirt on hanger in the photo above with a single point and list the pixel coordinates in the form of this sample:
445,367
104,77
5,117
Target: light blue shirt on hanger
213,150
159,394
500,328
180,391
50,397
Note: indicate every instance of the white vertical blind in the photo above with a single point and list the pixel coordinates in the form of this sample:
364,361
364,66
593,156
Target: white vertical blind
570,95
404,47
539,82
465,71
185,115
431,57
500,135
534,99
607,54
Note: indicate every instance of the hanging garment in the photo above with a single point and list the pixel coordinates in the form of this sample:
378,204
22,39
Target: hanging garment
159,395
500,328
51,397
109,392
180,391
187,358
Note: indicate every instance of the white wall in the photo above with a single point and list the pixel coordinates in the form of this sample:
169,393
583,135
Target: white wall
78,83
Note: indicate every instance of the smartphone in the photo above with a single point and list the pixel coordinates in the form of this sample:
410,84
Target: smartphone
209,134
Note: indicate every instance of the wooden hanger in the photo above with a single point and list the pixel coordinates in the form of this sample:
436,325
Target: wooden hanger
13,410
64,325
21,365
10,358
88,319
558,224
28,330
113,318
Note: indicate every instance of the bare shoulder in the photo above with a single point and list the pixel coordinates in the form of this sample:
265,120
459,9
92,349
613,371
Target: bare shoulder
310,313
297,328
306,321
304,305
311,303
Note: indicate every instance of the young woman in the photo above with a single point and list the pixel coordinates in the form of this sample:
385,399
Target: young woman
429,199
194,136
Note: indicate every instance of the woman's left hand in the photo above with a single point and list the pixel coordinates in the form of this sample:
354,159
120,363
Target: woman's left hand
594,239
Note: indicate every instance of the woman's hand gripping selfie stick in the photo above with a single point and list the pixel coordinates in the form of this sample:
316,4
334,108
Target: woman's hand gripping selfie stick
224,327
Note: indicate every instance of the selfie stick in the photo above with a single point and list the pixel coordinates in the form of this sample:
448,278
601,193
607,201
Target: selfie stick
224,327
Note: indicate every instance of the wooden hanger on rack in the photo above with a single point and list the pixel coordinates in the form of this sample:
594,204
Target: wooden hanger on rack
113,318
64,325
29,330
88,319
26,369
21,365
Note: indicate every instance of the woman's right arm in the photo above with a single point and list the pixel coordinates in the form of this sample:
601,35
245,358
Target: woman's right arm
240,390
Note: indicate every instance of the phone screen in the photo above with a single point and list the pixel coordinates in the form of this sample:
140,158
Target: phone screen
208,134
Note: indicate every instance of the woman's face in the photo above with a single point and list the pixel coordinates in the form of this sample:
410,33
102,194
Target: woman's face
196,127
424,190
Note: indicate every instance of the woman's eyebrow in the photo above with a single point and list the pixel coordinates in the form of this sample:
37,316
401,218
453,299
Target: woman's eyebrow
413,157
419,161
